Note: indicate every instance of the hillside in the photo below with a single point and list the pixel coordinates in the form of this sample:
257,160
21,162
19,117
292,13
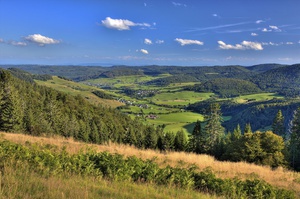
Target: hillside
284,80
278,178
74,88
260,68
227,87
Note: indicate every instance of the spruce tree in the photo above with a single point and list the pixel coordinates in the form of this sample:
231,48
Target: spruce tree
180,141
278,125
248,129
295,141
213,128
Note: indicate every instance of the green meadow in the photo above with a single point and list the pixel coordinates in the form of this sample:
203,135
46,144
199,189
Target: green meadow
180,98
177,121
257,97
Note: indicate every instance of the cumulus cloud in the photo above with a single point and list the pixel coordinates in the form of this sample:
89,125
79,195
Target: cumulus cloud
144,51
289,43
184,42
254,34
160,41
245,45
41,40
121,24
147,41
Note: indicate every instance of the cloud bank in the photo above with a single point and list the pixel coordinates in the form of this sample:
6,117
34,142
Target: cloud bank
245,45
121,24
184,42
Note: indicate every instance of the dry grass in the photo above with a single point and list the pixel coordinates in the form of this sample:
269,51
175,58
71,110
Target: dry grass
279,177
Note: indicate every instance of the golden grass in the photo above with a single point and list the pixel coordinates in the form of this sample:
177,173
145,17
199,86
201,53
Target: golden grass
19,181
279,177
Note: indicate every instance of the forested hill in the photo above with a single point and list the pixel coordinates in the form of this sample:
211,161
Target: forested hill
226,87
284,80
260,68
38,110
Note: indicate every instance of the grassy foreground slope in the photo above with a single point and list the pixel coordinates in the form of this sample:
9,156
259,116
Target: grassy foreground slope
278,178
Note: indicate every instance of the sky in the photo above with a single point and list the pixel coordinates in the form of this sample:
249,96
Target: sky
149,32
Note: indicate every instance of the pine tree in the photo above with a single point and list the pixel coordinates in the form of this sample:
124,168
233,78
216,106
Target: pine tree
248,129
237,133
198,139
278,125
213,128
295,141
180,142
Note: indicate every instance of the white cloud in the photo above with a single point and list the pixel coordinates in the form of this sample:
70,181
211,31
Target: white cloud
178,4
145,4
184,42
41,40
289,43
245,45
1,40
160,41
147,41
266,30
259,21
254,34
144,51
18,43
272,29
121,24
215,15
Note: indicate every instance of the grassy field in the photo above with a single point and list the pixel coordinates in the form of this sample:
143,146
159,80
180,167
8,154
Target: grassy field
177,121
180,97
133,81
279,177
19,180
74,89
257,97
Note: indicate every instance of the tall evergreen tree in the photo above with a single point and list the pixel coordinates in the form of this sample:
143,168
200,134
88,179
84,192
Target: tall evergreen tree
278,125
248,128
180,142
295,141
198,139
213,128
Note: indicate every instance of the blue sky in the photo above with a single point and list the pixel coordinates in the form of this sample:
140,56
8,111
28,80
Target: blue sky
145,32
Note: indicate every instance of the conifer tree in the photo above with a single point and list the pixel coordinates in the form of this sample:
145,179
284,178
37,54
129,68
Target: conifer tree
248,129
213,128
278,125
295,141
180,141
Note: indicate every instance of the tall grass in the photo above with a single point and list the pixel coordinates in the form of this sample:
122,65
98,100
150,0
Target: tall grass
19,181
279,177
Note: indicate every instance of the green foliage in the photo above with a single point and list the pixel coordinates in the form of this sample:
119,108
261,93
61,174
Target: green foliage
49,161
180,141
213,127
260,148
278,125
294,144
